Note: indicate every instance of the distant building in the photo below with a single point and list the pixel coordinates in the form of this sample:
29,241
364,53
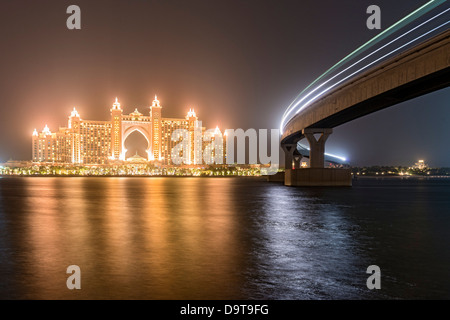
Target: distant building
102,142
421,165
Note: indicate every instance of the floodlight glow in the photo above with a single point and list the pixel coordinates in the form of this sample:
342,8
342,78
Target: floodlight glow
327,154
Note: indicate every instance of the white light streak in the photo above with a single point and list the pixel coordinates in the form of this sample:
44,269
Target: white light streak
368,65
292,107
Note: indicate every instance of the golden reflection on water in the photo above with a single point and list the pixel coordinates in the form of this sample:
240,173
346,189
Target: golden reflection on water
220,238
150,238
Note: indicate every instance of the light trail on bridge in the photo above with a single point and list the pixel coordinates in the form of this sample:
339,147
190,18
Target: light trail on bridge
362,59
398,25
368,65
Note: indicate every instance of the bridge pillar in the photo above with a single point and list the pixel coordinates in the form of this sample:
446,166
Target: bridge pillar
288,154
297,161
317,146
317,174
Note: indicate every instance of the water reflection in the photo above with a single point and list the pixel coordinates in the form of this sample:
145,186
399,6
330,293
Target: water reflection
219,238
310,243
132,238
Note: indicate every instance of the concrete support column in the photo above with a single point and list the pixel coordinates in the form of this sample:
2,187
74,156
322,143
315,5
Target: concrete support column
297,161
317,146
288,154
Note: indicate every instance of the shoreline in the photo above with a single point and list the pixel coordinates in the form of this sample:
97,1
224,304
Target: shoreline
398,177
354,178
121,176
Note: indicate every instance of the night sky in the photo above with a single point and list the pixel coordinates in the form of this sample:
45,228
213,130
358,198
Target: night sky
238,63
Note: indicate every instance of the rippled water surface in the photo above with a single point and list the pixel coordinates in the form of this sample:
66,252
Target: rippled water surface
222,238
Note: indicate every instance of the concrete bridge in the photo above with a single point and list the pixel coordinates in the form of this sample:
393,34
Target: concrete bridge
419,70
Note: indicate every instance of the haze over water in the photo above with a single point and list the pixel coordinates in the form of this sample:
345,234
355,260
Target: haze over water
222,238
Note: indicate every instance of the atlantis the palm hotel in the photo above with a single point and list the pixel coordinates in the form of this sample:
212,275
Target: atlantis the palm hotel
88,142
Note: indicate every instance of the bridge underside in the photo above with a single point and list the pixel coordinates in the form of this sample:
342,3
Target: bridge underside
411,90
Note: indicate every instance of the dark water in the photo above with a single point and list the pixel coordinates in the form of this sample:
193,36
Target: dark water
222,238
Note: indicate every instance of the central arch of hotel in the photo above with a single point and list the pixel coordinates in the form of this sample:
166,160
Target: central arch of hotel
144,128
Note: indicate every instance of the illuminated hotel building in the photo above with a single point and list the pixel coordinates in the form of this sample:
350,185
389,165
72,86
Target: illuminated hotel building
102,142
